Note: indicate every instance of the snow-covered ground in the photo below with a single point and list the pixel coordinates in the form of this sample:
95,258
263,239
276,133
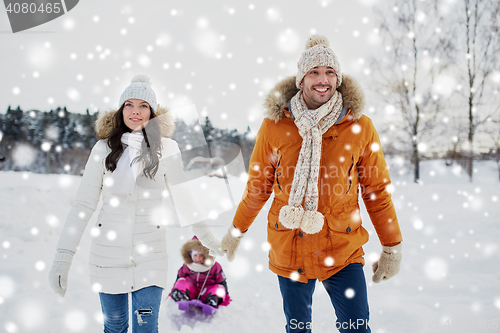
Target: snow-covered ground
449,279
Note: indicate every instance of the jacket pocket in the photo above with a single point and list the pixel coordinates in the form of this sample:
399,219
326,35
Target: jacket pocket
344,221
283,244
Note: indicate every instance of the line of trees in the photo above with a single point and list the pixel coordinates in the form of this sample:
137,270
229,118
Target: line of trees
59,141
50,142
439,78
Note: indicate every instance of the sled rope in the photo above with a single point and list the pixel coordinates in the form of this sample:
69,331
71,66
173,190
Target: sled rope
206,278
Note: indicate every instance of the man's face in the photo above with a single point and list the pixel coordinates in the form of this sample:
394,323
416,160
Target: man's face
318,86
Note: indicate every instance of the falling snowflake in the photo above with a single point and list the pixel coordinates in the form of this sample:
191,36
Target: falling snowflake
436,269
208,42
273,14
144,60
73,94
69,24
288,41
349,293
24,155
418,224
444,85
111,235
7,287
40,266
422,147
76,320
239,268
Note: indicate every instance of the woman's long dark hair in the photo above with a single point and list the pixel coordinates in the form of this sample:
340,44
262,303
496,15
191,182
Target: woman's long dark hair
151,146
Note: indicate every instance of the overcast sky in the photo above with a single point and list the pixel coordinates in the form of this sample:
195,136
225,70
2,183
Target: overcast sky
220,56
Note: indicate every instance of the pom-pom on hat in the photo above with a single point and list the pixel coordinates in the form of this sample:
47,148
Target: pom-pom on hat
140,88
317,53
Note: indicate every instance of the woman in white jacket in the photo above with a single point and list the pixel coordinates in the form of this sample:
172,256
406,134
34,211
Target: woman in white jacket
130,165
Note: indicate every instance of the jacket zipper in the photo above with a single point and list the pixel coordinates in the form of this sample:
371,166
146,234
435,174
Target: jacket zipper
350,178
278,174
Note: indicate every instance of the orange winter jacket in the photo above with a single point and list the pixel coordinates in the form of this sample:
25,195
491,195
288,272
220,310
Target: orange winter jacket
351,162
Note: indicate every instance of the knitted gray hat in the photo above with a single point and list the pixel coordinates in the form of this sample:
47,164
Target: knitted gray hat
317,53
140,88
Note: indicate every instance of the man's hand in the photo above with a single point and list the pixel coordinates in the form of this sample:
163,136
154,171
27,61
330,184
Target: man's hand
230,242
388,264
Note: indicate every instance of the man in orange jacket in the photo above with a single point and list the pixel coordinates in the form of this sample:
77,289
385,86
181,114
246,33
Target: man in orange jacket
317,152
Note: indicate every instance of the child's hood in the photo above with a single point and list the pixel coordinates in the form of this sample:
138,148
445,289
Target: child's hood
195,244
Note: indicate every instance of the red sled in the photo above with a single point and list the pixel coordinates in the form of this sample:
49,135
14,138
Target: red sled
185,305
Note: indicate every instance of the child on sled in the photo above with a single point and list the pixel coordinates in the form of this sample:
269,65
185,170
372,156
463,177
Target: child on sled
200,277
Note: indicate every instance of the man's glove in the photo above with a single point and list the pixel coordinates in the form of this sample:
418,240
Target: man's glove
58,275
388,264
230,242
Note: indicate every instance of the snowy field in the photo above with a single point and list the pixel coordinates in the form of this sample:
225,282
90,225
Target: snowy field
449,279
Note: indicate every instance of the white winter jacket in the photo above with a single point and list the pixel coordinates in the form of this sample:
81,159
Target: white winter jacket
129,251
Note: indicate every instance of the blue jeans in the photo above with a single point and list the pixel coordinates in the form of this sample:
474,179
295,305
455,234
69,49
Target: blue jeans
351,308
145,311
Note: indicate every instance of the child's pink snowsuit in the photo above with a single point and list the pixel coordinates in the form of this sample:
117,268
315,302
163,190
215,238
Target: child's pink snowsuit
191,276
191,283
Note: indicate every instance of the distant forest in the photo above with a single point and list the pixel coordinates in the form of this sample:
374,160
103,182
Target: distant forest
59,141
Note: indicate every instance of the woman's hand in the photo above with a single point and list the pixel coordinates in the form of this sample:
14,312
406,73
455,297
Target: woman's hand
58,275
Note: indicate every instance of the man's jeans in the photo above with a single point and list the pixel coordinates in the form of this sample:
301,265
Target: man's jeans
347,290
145,310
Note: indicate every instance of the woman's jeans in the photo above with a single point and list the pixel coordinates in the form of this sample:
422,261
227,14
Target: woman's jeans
347,291
145,310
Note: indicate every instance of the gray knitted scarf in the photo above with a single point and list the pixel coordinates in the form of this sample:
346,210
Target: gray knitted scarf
312,124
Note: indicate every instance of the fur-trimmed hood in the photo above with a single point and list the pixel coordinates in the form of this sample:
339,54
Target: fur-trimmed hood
282,93
105,123
195,244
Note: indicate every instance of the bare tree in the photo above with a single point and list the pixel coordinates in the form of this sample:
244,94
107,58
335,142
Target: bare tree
494,134
415,55
480,27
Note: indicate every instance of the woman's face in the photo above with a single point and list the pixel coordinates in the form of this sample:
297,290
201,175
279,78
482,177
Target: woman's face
136,113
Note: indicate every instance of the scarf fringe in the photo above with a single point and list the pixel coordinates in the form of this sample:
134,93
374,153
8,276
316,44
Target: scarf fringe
291,216
312,222
294,217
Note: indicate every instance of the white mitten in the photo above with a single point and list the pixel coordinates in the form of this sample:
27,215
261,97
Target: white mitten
230,242
202,231
213,244
58,275
388,264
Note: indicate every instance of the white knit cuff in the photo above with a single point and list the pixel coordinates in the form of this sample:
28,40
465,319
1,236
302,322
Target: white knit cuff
63,256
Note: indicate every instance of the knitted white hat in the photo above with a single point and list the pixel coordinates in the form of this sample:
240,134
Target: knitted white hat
317,53
140,88
192,253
